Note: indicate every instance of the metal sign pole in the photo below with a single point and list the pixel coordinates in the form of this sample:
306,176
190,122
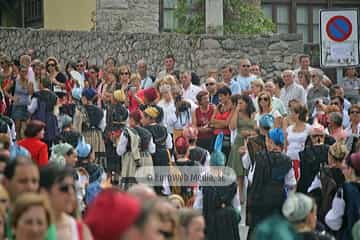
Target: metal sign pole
339,75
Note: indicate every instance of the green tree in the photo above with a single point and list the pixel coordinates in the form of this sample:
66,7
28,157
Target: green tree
240,17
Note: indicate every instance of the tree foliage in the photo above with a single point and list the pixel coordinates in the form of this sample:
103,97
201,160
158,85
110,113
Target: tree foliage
239,18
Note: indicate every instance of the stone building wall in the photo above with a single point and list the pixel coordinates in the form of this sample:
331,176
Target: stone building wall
127,16
198,53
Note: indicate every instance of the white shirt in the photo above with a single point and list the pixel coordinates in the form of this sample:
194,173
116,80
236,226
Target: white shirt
146,82
296,141
169,110
191,92
123,142
294,91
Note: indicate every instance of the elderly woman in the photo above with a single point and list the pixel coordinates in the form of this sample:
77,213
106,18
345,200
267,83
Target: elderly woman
257,86
335,127
333,175
300,210
354,128
312,157
168,106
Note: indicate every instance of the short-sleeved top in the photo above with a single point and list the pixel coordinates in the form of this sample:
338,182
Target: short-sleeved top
296,141
203,119
222,116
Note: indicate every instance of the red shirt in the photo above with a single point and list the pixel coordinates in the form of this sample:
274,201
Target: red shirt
37,149
222,116
203,119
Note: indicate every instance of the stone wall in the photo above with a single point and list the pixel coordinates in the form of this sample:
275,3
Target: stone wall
127,16
198,53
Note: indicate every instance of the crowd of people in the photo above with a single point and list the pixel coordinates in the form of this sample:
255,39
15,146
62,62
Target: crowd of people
101,152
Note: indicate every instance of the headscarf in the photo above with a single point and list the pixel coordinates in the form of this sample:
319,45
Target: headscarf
152,112
58,152
83,149
277,136
266,121
297,207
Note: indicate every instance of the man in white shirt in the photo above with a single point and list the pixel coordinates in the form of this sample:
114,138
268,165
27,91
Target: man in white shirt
146,80
304,62
189,90
245,78
291,90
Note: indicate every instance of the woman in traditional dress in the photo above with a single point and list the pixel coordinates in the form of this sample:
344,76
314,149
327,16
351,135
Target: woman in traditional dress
90,120
161,138
135,146
220,203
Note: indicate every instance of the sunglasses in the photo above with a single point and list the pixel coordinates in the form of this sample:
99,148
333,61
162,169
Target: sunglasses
167,235
354,112
51,65
4,200
2,63
335,103
65,188
264,99
313,76
317,136
247,66
210,84
124,73
80,65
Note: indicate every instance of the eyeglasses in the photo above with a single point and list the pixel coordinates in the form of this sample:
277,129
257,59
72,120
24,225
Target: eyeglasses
264,99
51,65
247,66
65,188
354,112
210,84
124,73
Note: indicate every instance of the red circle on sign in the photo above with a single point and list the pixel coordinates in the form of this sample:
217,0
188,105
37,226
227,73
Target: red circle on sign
345,34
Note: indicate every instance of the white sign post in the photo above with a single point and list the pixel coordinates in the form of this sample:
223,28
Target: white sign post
339,39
